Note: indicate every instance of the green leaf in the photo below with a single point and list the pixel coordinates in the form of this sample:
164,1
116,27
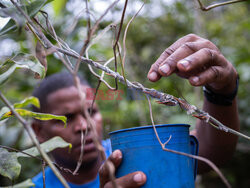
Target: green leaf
4,110
27,183
30,100
34,7
24,184
9,166
10,26
58,5
22,61
36,115
48,146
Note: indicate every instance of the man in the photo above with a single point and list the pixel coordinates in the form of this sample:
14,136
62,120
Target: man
199,61
59,96
190,57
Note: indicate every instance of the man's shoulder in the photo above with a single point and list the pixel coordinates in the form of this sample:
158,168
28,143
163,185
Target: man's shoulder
50,179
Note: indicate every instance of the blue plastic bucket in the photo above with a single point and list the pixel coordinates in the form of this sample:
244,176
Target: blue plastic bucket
142,152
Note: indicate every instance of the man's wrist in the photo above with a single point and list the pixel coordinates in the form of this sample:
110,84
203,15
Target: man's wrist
221,99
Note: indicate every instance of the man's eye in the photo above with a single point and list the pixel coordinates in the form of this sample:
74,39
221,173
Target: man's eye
69,117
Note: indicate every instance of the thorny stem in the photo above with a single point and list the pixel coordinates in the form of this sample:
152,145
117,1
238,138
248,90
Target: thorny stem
163,145
222,127
202,7
162,97
34,140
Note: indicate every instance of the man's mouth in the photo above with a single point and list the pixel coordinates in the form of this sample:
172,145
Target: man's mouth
88,146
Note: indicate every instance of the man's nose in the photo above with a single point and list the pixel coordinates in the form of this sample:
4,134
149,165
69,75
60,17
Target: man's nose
80,123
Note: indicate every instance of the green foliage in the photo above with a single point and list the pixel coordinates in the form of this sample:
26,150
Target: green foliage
31,8
30,100
36,115
26,183
48,146
21,61
58,6
9,166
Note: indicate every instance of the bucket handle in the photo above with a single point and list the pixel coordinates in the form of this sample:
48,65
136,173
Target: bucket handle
194,151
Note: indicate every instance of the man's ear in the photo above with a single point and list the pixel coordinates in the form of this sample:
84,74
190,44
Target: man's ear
37,127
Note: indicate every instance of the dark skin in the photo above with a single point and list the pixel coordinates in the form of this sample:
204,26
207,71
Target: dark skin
200,61
66,102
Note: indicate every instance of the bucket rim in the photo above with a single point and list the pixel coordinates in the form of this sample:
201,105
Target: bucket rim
149,126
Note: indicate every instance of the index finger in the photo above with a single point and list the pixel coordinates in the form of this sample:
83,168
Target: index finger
153,74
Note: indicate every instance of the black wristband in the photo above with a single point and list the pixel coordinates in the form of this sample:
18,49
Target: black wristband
220,99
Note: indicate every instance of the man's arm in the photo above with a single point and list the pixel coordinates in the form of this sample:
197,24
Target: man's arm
200,61
214,144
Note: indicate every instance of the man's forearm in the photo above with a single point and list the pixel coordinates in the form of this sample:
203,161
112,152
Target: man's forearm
214,144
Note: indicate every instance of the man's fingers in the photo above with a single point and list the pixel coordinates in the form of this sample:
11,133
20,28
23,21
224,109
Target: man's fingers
201,60
154,74
133,180
212,74
170,64
104,170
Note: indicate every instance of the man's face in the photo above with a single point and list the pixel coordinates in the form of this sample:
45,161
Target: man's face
66,102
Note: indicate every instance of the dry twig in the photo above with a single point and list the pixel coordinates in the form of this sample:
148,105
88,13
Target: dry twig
204,8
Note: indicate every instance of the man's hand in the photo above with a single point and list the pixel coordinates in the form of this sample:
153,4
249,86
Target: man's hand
197,60
132,180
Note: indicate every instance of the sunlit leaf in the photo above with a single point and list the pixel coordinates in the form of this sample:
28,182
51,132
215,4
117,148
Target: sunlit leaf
10,26
48,146
22,61
25,184
4,110
9,166
36,115
30,100
58,5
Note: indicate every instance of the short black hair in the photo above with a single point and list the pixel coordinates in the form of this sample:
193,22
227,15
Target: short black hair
51,84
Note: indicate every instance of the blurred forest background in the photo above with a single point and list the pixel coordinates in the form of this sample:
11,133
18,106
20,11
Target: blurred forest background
159,24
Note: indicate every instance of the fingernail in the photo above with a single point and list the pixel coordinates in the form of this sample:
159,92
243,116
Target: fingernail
195,79
165,68
152,76
138,178
184,64
116,154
